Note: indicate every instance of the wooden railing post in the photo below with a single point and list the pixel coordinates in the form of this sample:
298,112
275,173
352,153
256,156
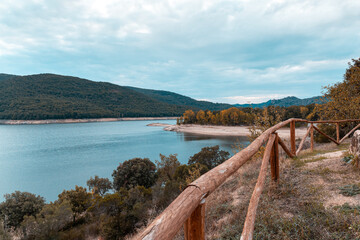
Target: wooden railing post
274,159
312,138
292,137
337,132
194,226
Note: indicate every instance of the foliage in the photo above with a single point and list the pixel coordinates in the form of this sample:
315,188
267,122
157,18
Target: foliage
17,205
348,158
166,167
78,198
4,235
50,96
247,116
99,185
167,186
143,190
209,156
343,97
350,190
134,172
120,213
177,99
328,129
53,218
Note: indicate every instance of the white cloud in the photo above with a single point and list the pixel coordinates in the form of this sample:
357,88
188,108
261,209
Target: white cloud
199,48
284,72
253,99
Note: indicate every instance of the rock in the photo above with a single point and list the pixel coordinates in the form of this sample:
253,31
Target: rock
355,147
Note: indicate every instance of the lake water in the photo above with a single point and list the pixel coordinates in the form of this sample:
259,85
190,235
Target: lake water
46,159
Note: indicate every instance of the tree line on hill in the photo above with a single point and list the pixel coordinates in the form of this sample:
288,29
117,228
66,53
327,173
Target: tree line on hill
140,189
50,96
246,116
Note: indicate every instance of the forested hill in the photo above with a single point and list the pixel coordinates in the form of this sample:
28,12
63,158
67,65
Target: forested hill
6,76
49,96
284,102
177,99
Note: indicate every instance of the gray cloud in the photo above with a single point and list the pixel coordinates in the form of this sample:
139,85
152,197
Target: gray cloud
207,49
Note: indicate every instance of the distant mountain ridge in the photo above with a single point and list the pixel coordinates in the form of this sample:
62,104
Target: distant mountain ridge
284,102
181,100
50,96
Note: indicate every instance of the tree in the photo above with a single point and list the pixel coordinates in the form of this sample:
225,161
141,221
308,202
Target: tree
47,224
189,116
121,212
17,205
343,98
134,172
200,117
99,185
167,187
341,101
166,167
78,198
210,157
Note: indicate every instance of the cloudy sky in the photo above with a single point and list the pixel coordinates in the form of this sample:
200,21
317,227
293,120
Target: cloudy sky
224,51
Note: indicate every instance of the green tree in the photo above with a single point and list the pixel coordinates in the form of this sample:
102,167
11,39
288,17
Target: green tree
209,156
166,167
79,199
46,225
17,205
99,185
4,235
167,187
134,172
121,212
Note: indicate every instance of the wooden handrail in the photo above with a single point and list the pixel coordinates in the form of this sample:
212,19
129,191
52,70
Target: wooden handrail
170,221
303,140
348,134
254,201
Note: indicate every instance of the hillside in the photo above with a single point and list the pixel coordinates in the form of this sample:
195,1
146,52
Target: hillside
177,99
284,102
50,96
6,76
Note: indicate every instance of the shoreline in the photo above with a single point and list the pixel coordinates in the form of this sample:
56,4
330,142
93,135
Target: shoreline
215,130
87,120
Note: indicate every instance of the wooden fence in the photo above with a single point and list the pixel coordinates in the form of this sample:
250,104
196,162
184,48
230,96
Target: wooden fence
188,209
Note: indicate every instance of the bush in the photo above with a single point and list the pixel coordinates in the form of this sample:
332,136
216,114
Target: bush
134,172
17,205
210,157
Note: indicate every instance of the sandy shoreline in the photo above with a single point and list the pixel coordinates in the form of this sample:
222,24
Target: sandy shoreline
54,121
222,130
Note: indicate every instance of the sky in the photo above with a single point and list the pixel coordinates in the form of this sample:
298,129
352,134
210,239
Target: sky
222,51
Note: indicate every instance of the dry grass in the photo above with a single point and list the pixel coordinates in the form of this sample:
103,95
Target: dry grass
306,203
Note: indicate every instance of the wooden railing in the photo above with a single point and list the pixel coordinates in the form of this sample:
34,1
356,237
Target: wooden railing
188,209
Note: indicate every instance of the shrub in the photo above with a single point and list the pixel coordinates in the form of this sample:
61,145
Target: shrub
134,172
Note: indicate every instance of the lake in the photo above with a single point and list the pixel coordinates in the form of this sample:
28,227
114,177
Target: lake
46,159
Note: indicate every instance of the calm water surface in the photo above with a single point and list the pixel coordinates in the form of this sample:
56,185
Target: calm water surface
46,159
